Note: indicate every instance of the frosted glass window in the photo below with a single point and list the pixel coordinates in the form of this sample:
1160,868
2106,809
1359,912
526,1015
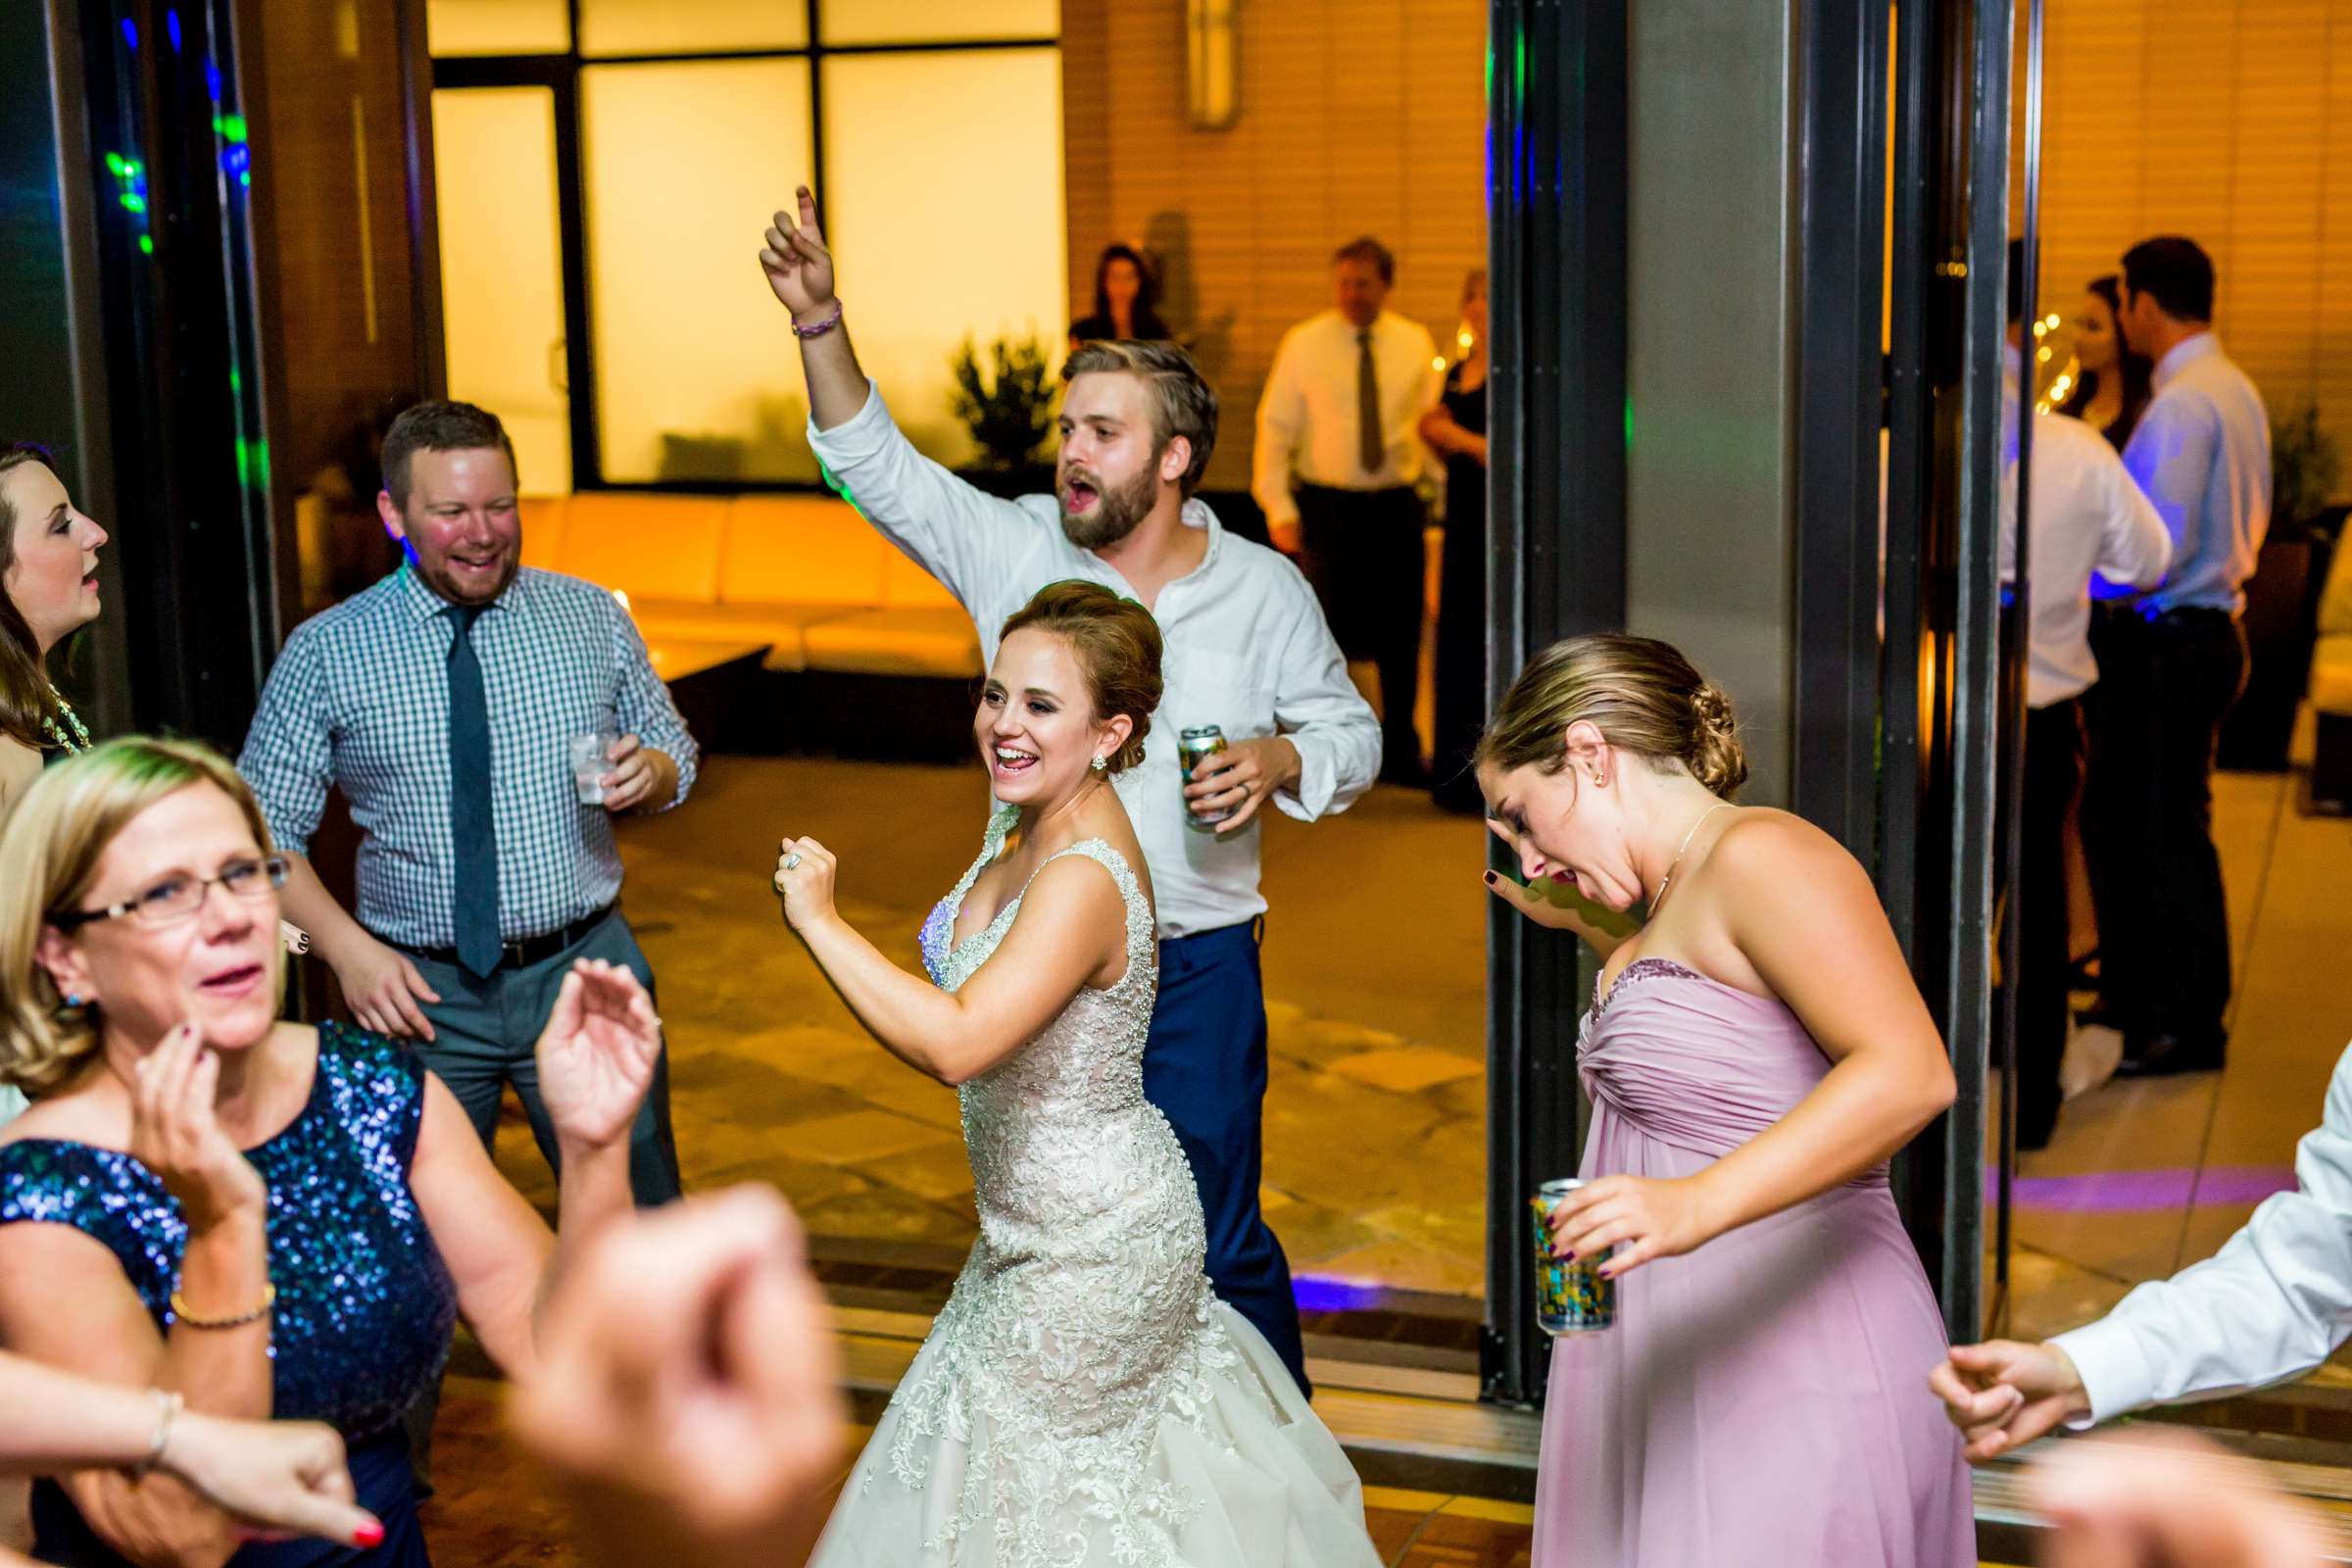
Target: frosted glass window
841,22
697,374
496,27
695,27
945,208
502,291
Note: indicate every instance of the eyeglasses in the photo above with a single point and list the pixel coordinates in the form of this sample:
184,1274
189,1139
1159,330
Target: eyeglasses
177,897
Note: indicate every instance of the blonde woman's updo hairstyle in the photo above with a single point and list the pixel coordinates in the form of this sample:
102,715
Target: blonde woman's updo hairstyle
1642,695
50,846
1118,647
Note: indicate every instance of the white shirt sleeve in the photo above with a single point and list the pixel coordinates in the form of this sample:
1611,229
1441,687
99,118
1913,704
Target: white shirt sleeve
961,535
2272,1304
1280,422
1316,706
2134,547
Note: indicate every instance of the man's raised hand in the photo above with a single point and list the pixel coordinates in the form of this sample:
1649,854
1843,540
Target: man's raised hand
798,266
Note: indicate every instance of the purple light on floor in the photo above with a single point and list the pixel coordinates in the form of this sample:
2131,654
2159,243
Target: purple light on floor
2125,1191
1333,1296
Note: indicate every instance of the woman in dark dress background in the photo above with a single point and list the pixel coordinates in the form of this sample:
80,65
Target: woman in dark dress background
2116,383
266,1218
1456,428
1126,300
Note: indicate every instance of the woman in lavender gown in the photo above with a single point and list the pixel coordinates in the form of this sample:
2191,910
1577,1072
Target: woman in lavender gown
1755,1052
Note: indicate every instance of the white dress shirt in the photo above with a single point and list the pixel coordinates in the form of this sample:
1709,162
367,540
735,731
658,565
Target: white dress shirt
2202,453
2272,1304
2087,515
1307,418
1246,648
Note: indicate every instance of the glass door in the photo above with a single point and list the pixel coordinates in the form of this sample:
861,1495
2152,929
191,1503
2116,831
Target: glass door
502,279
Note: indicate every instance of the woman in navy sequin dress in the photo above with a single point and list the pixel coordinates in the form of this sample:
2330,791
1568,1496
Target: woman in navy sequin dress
268,1218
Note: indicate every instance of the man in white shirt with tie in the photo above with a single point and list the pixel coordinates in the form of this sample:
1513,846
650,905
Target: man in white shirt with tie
2272,1304
1245,649
2085,516
2172,664
1338,456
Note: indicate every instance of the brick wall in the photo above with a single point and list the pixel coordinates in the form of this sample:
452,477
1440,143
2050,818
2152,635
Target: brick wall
1356,117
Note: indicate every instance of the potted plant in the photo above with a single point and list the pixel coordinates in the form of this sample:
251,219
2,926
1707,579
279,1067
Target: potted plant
1009,413
2282,596
2306,464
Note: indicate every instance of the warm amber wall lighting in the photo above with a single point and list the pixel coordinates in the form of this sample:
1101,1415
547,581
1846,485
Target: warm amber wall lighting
1211,33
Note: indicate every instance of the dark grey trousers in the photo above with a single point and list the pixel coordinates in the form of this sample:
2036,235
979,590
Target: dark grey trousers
486,1029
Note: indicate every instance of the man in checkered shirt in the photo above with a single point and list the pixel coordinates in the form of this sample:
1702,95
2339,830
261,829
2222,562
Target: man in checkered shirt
443,700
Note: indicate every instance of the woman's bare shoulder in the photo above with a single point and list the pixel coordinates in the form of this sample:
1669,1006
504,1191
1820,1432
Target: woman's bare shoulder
75,1115
1763,842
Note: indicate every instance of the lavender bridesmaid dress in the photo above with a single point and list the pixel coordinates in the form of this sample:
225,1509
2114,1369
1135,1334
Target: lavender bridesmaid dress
1764,1400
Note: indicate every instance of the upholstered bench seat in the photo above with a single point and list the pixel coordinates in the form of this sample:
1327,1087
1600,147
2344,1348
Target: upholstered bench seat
2329,691
804,573
2331,675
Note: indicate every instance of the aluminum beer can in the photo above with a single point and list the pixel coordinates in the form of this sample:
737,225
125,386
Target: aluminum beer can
1191,745
1570,1298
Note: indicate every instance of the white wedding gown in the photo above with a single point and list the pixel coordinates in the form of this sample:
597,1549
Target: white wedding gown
1084,1398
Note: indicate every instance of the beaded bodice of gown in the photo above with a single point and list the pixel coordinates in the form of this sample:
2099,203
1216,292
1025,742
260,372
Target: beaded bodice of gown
1082,1319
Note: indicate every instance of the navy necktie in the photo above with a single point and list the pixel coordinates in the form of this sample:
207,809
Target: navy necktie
475,893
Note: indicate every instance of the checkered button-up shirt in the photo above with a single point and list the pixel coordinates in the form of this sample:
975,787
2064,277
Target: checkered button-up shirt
359,699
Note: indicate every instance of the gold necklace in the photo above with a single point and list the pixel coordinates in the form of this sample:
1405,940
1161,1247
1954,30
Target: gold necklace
80,738
1658,897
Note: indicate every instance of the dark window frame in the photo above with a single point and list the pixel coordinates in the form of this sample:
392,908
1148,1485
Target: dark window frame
560,72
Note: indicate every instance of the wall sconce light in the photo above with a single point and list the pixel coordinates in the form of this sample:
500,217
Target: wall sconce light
1213,61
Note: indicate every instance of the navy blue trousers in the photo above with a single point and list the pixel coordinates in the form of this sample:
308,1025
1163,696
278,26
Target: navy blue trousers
1205,1066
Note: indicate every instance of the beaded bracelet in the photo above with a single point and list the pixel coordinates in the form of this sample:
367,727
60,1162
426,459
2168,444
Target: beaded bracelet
821,328
187,1319
168,1403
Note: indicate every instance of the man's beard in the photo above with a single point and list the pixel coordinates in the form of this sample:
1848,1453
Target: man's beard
1115,512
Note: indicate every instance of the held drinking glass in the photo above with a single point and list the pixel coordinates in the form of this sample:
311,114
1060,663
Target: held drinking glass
591,761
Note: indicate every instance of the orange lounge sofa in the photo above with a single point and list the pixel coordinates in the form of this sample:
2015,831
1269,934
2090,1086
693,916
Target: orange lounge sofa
803,574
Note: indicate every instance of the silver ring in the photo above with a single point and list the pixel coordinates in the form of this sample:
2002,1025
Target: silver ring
792,862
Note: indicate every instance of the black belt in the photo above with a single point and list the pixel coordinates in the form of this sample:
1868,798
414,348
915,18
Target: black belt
530,950
1357,495
2189,616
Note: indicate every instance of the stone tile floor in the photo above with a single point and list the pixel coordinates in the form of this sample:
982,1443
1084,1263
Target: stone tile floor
493,1512
1375,983
2144,1178
1375,1111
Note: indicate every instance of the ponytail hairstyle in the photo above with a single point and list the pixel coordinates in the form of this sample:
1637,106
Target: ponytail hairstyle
1117,646
1641,694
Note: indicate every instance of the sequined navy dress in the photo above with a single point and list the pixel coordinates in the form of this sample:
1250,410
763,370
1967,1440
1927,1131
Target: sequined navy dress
365,1304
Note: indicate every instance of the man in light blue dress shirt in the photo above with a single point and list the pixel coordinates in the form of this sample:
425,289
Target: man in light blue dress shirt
2171,662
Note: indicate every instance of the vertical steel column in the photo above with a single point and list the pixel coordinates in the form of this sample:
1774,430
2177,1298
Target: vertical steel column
1842,96
1975,663
1555,521
1941,697
2017,619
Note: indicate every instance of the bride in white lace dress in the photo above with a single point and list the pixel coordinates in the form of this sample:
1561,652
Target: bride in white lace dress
1084,1397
